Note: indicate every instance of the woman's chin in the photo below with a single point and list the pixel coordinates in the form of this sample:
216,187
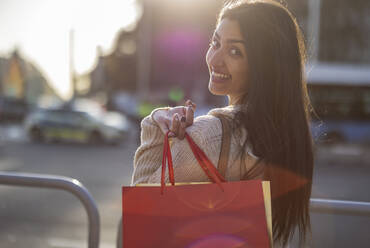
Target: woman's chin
216,89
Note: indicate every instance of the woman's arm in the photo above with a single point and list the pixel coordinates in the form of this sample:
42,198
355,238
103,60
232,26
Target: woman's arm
148,156
206,132
153,127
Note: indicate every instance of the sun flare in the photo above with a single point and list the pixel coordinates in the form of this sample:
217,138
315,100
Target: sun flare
40,29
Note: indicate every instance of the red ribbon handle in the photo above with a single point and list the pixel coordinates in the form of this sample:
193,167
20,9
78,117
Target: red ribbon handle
167,157
201,157
205,163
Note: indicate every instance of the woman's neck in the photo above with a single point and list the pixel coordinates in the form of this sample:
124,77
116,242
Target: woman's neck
235,100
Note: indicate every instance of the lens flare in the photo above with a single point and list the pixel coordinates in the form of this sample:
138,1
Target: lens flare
223,224
219,241
208,198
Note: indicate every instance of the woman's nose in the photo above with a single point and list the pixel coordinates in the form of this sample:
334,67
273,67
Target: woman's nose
216,59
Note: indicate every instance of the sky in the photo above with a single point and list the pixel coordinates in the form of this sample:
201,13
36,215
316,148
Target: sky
40,30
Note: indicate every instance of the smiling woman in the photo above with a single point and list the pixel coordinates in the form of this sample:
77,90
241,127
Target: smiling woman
40,29
256,58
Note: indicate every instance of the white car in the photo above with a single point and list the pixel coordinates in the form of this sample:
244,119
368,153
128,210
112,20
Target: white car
76,126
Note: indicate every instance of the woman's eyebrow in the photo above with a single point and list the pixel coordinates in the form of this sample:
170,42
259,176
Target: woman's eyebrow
229,40
235,41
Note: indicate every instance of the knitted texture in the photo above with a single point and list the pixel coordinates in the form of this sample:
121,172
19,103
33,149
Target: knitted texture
206,132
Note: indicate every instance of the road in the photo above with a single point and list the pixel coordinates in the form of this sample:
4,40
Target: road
52,218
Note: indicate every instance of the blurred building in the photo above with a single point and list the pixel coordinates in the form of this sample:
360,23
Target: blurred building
165,55
173,42
117,70
345,31
162,61
114,75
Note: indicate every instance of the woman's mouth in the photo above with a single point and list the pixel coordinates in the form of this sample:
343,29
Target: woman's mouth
218,77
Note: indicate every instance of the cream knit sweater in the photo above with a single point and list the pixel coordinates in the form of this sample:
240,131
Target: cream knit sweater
206,132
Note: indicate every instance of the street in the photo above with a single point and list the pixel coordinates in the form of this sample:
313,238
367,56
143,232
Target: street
32,217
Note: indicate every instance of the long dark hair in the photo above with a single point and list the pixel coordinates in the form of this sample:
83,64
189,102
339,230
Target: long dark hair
276,109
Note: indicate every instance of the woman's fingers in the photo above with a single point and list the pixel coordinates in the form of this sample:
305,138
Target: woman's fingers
182,127
176,119
190,103
175,125
189,116
190,109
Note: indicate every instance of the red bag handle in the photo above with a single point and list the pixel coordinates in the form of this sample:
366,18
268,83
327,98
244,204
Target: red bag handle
167,157
201,157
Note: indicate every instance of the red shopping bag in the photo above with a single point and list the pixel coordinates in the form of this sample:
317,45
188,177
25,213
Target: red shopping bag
222,214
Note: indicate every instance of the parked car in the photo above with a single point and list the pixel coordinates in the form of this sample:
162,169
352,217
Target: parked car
75,126
340,95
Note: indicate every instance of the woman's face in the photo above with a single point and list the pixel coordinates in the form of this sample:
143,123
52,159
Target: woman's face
227,61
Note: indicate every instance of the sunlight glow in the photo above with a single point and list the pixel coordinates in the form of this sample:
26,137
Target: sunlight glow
40,30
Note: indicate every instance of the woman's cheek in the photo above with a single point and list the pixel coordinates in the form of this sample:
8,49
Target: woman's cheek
240,80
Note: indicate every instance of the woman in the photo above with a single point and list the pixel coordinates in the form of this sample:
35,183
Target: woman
256,58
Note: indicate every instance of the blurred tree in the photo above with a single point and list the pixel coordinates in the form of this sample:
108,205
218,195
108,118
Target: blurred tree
22,80
14,83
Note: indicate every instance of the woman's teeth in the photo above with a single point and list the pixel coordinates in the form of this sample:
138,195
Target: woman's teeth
221,75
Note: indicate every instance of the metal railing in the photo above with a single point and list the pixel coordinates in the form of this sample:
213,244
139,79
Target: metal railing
63,183
340,207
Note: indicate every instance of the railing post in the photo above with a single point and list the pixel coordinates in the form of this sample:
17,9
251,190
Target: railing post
340,206
63,183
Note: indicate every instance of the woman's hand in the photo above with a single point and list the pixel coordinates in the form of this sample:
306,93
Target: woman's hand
175,119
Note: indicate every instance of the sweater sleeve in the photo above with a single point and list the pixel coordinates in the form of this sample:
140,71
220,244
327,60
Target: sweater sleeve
148,157
206,132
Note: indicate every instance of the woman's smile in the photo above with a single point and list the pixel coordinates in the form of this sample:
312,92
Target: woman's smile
218,77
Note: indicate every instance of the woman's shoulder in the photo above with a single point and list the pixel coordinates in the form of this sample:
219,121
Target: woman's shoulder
211,117
205,125
209,126
228,111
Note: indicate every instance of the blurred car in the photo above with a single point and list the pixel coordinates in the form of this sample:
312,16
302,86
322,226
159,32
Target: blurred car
75,126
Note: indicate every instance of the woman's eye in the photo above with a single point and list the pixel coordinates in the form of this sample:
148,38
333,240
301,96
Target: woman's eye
235,51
